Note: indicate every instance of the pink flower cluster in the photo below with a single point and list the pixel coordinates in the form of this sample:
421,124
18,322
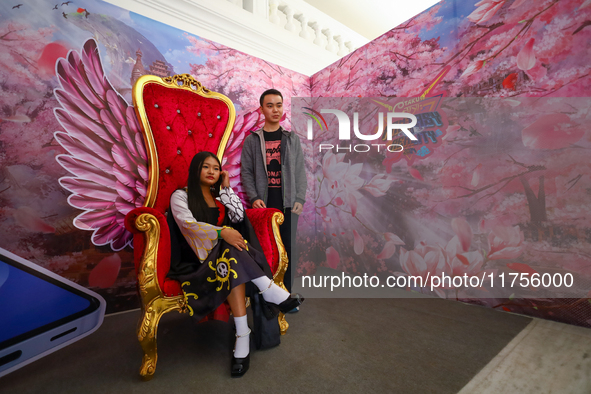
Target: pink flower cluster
456,259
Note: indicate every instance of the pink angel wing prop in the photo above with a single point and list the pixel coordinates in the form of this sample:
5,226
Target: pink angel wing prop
250,121
107,157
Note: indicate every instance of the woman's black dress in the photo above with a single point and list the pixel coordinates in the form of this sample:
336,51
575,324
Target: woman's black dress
207,285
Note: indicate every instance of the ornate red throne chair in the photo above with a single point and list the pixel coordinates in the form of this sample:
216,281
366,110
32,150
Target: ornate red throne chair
179,118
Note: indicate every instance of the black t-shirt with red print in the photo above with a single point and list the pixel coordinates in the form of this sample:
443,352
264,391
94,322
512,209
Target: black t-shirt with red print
273,159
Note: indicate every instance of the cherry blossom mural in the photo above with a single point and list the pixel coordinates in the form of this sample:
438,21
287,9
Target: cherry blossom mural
242,77
71,155
508,188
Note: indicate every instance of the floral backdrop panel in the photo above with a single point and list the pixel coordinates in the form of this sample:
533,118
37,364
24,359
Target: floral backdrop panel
43,217
502,198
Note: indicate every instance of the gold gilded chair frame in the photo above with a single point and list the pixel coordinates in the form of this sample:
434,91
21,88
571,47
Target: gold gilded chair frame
154,302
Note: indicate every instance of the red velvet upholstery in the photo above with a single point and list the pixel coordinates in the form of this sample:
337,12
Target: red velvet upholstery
183,123
261,220
171,287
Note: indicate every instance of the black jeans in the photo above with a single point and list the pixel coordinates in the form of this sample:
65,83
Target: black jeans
288,235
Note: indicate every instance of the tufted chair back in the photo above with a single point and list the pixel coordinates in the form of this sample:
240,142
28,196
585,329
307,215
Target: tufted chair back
180,118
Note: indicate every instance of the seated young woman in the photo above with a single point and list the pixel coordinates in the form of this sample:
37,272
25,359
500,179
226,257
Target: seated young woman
204,213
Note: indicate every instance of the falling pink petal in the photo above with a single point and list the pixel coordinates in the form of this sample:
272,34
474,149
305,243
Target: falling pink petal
463,259
358,244
339,201
510,81
415,173
554,131
18,119
332,257
526,58
105,273
352,200
485,11
463,231
388,251
473,68
26,217
393,238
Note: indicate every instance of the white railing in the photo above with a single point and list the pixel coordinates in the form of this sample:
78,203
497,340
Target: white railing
303,20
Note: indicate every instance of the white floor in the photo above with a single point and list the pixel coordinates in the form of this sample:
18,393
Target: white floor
546,357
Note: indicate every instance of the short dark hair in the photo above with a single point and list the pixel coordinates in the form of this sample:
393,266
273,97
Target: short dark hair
270,91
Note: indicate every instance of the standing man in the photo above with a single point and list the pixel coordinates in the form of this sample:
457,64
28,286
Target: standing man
273,172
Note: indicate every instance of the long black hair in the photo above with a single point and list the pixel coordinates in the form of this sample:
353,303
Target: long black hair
197,204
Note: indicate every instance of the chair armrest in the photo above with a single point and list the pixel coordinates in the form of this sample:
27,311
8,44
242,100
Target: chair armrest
266,223
151,243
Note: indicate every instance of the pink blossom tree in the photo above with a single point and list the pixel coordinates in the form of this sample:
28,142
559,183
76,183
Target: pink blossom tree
398,61
242,77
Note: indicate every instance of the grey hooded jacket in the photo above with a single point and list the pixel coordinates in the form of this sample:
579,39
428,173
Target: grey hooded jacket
254,168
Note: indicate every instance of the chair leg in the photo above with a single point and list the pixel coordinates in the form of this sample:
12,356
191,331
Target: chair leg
148,329
283,325
147,335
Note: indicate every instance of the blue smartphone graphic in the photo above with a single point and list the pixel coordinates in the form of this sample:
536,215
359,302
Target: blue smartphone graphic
40,312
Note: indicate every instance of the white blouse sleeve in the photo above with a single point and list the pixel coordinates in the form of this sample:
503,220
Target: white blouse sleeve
201,236
232,202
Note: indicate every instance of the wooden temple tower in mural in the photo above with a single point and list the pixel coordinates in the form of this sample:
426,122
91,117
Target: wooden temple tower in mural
158,68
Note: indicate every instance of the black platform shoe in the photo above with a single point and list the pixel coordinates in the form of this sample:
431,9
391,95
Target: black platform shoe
291,303
271,310
240,365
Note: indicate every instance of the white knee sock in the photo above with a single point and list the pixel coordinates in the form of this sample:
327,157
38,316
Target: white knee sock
274,294
242,347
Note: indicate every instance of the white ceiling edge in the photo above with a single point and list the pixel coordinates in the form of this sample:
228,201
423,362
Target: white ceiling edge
372,18
229,25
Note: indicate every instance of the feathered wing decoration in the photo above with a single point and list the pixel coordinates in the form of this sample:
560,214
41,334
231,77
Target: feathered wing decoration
107,155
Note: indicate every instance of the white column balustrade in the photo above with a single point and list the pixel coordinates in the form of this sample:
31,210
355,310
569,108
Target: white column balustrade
329,34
